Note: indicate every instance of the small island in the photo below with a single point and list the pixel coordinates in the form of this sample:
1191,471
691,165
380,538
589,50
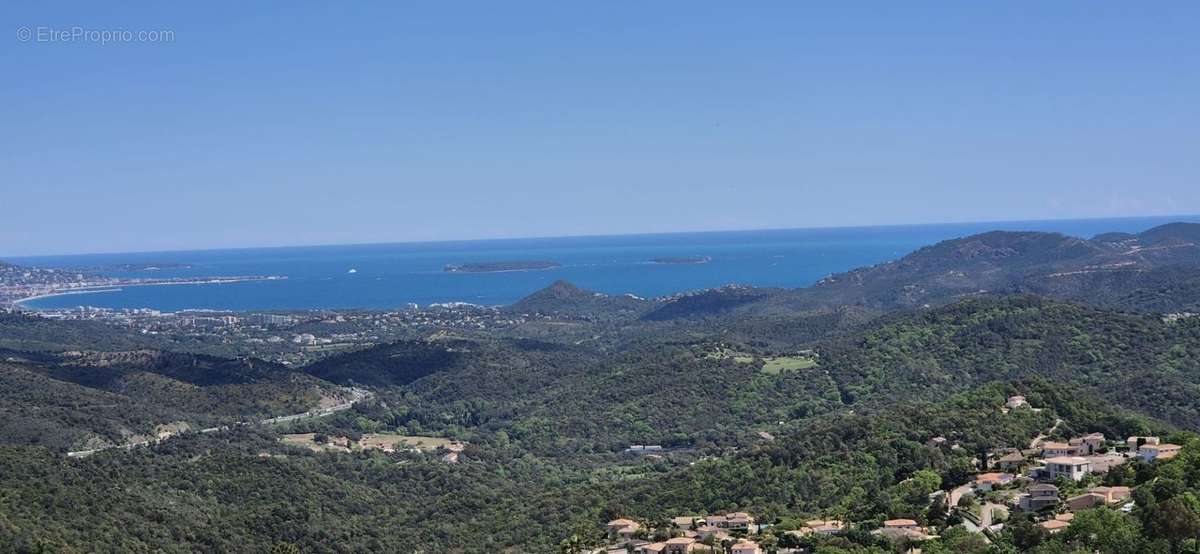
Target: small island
682,260
493,267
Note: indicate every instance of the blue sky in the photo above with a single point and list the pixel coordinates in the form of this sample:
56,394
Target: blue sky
299,123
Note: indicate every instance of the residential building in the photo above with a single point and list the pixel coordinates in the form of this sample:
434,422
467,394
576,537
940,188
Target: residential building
1103,462
705,531
679,545
1134,443
1011,461
1015,402
825,527
1085,501
745,547
1163,451
686,522
1055,526
652,548
1112,495
1071,467
1053,449
901,524
987,481
1038,497
736,520
1088,444
622,529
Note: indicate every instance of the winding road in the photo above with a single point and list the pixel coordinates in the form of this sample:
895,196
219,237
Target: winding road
356,395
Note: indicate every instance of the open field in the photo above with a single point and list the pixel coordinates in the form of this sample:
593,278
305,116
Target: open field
775,366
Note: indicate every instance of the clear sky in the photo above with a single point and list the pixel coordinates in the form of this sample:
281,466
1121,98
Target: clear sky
349,122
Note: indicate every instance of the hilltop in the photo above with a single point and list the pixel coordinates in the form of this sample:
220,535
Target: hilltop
1153,271
563,298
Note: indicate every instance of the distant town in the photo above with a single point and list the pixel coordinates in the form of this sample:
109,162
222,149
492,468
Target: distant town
21,283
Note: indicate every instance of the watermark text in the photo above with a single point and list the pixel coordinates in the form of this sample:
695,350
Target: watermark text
82,34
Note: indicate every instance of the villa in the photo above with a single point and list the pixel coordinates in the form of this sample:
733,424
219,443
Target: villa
987,481
1101,463
622,528
1056,449
1010,461
1112,495
1039,497
1133,442
1055,525
1085,501
679,545
1089,444
1015,402
823,527
736,521
746,547
1152,452
1071,467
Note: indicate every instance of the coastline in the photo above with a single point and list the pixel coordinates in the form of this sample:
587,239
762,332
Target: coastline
118,287
63,293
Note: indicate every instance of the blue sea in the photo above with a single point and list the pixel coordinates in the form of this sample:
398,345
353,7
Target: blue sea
392,275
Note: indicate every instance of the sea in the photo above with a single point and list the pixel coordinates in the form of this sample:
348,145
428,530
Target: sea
389,276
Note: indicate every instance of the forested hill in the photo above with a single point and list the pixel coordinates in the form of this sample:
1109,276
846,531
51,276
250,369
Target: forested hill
563,298
88,399
1139,362
1154,271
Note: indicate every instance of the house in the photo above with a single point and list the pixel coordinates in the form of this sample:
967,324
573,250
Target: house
1055,526
705,532
737,520
1038,497
745,547
635,546
1112,495
1011,461
1104,462
900,529
1088,444
679,545
622,528
987,481
1085,501
1071,467
686,522
1164,451
1054,449
825,527
652,548
1134,443
1015,402
936,442
901,524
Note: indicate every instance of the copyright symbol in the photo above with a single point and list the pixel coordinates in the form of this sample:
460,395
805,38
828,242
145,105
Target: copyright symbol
24,34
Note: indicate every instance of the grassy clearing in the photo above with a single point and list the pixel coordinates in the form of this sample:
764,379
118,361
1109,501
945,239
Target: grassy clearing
775,366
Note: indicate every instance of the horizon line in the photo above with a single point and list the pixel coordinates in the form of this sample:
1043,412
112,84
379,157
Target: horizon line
600,235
